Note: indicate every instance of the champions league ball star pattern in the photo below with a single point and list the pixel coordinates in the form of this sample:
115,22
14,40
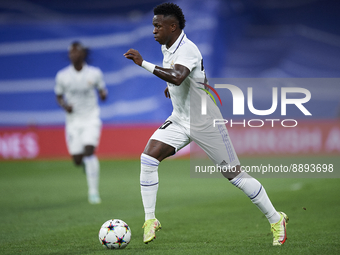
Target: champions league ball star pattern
115,234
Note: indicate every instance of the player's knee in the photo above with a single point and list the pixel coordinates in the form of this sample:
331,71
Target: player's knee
148,163
231,172
158,150
89,150
78,160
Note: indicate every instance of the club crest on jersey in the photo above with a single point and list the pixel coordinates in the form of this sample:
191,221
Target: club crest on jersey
90,84
172,64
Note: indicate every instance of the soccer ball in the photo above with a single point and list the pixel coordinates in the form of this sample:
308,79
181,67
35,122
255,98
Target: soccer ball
115,234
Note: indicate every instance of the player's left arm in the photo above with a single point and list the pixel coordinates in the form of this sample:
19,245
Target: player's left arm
175,75
167,93
102,94
101,87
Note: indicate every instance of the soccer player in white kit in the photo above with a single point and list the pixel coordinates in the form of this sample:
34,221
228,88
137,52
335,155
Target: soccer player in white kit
76,92
184,73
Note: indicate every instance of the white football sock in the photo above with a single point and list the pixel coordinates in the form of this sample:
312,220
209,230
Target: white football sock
149,184
92,173
257,194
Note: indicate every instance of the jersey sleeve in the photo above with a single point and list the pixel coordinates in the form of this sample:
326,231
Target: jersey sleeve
59,88
100,83
188,57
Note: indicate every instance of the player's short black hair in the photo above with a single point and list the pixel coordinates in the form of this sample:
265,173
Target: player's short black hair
168,9
81,46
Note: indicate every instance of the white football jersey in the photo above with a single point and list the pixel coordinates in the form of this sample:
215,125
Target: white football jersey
79,90
187,97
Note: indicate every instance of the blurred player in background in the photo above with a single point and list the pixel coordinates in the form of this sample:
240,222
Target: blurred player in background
75,90
185,76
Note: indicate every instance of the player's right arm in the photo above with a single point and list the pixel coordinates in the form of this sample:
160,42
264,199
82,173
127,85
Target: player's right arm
61,101
59,91
175,75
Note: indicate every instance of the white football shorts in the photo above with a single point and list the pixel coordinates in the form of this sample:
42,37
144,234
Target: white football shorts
215,141
78,135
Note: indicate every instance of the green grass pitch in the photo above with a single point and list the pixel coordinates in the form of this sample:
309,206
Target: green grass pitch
44,210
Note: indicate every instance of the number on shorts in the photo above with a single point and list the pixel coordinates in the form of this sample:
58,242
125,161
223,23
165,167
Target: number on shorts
165,124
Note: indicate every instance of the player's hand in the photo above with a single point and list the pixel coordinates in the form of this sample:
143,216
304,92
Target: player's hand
167,93
68,108
103,94
135,56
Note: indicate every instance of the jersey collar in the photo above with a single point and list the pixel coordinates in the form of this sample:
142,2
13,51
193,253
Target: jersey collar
84,67
176,44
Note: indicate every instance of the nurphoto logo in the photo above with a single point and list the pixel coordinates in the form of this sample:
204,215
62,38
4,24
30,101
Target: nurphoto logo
239,102
208,92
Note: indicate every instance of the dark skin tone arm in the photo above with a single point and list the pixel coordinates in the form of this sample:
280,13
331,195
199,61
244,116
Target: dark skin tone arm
102,94
68,108
63,104
175,76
